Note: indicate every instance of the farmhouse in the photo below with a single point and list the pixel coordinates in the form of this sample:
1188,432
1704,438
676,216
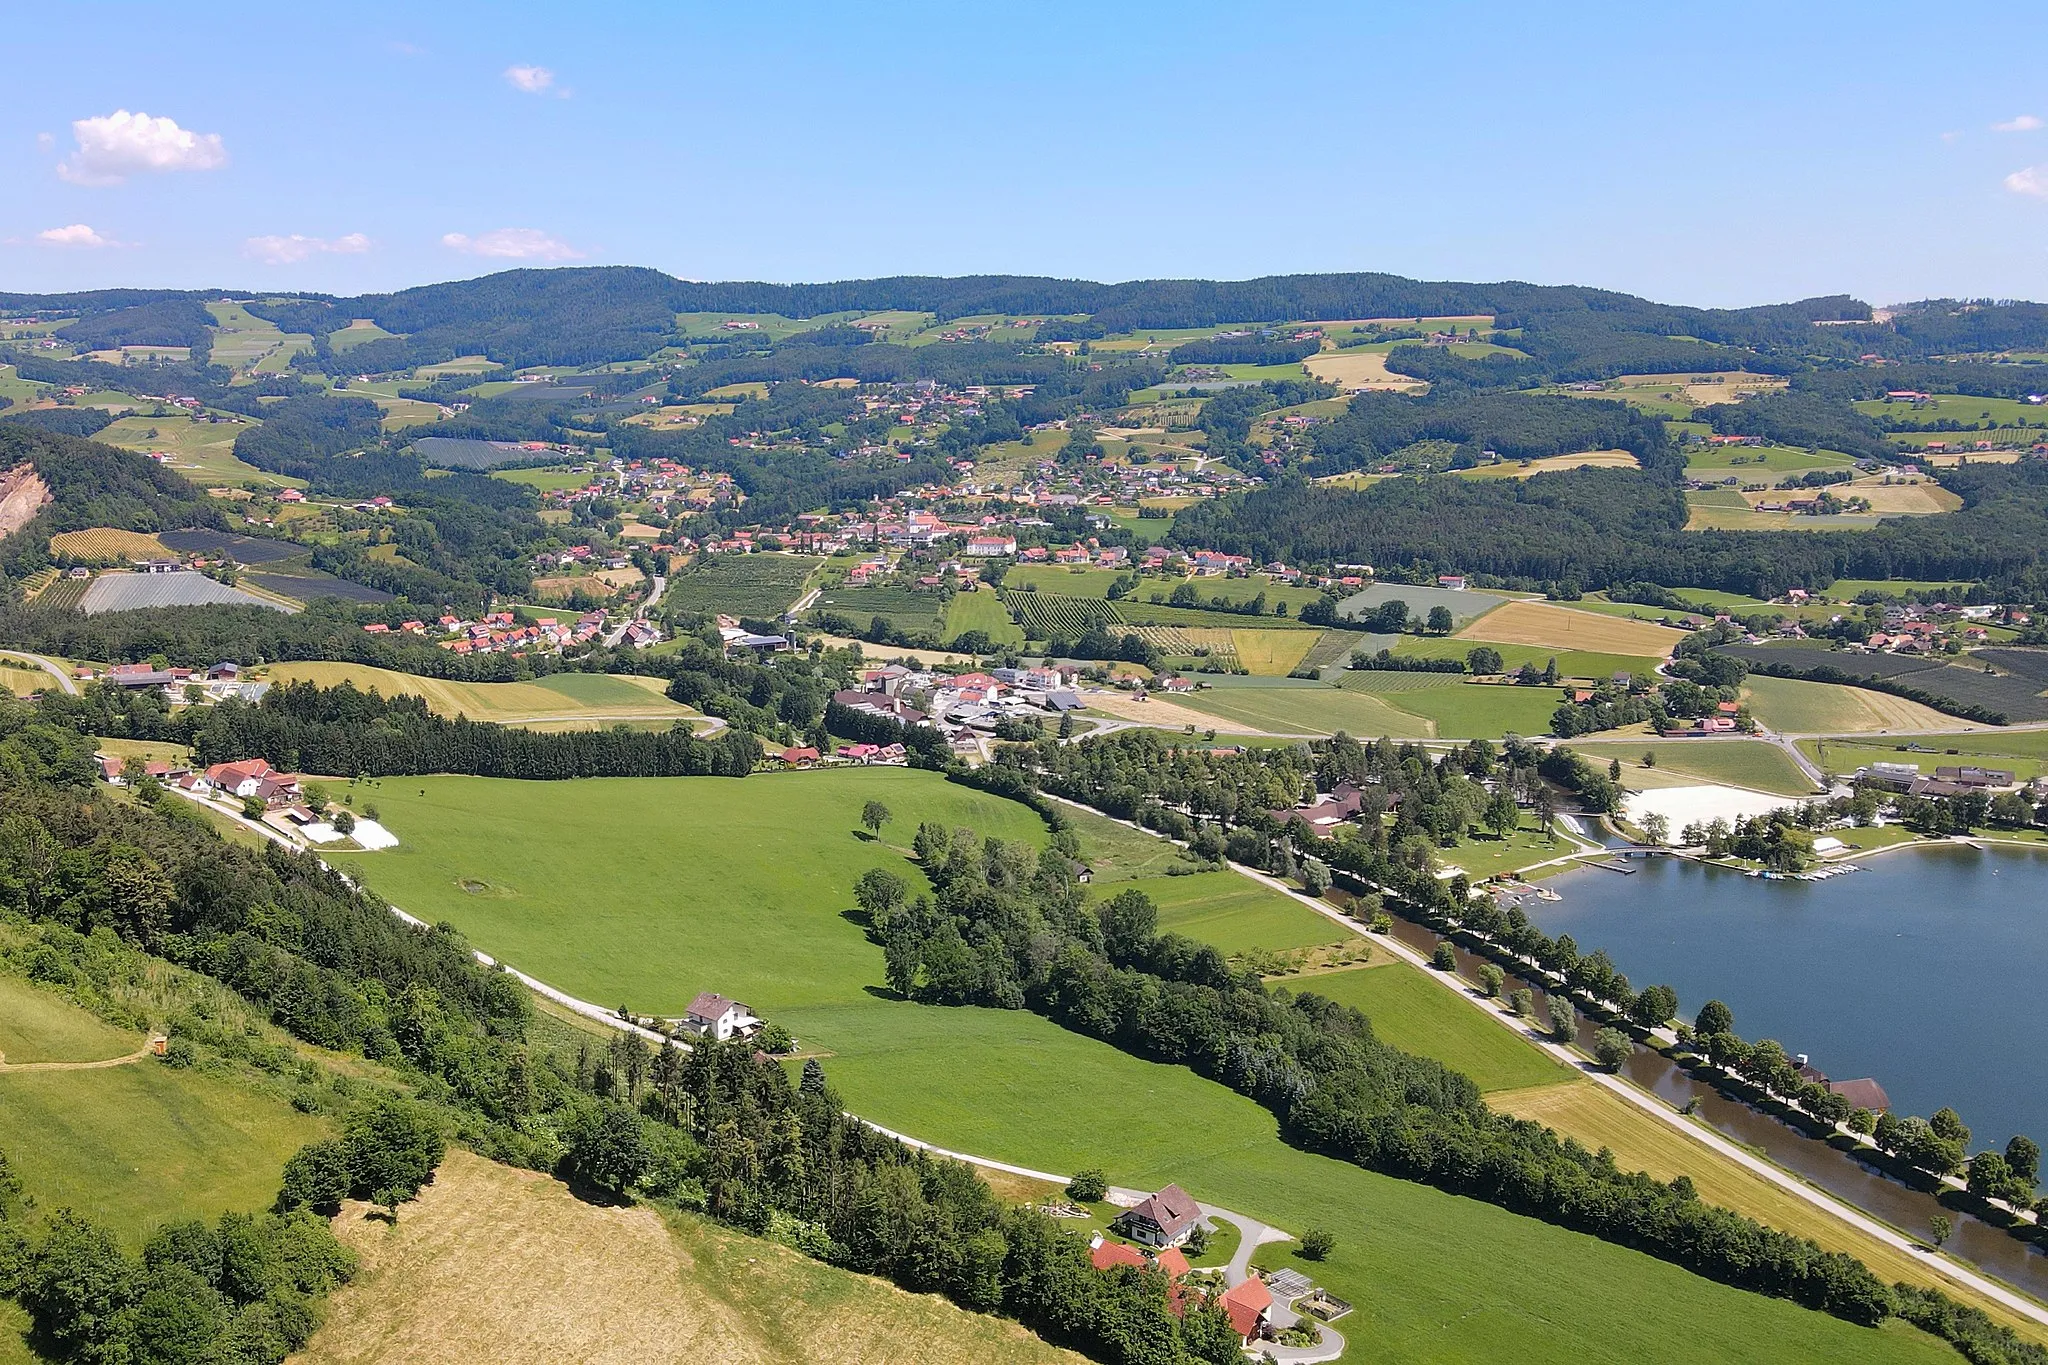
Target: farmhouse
1248,1306
713,1016
1164,1219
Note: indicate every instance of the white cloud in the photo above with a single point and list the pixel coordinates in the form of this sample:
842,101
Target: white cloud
289,250
113,146
2030,180
75,235
534,80
513,244
2025,123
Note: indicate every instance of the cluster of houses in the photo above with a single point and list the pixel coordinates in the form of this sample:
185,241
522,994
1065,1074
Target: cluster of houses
281,796
1948,780
500,632
222,682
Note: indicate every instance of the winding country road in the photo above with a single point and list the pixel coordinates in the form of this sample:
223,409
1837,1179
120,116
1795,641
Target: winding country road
48,666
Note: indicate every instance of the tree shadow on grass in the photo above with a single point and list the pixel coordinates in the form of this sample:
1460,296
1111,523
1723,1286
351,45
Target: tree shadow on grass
884,993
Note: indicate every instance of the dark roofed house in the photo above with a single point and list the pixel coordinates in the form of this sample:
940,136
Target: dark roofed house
1164,1219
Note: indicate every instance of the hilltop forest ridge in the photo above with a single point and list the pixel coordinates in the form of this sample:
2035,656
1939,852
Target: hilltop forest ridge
1122,732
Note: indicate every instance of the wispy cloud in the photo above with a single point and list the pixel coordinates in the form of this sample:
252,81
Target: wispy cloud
2029,180
2024,123
75,235
112,147
534,80
289,250
513,244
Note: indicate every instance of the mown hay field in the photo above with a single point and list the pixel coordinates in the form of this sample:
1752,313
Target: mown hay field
1812,708
1539,623
501,1265
600,698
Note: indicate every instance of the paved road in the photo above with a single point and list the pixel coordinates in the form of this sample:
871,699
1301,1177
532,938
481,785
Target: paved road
655,588
48,666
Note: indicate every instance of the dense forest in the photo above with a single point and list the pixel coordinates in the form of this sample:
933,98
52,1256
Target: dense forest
92,485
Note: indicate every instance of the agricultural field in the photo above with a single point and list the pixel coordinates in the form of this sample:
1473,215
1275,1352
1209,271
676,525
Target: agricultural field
355,334
305,584
557,480
2018,698
980,610
202,451
596,698
241,339
1753,763
1973,413
1482,710
102,545
1811,708
1418,1015
1571,663
1066,582
1315,709
1725,509
497,1264
1550,464
1008,1083
1360,368
136,1144
257,550
1149,613
907,609
1045,616
1464,606
1553,627
1234,913
1760,464
129,591
761,585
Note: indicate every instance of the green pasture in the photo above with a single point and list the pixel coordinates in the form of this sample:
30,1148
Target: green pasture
1419,1015
906,609
556,480
1753,763
1233,912
41,1026
1957,407
16,389
1724,510
1064,581
1571,663
647,891
1483,710
980,610
2024,752
1316,710
1760,464
203,452
355,334
1848,589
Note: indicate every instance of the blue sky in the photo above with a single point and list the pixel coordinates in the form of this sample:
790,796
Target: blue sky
1727,154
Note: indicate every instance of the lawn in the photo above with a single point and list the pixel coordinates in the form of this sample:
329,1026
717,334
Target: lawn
646,891
1798,707
980,610
1234,913
1485,856
545,480
761,585
1752,763
1483,710
1319,709
599,698
1418,1015
2024,752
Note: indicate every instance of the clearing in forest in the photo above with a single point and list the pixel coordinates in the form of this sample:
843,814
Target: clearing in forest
1357,369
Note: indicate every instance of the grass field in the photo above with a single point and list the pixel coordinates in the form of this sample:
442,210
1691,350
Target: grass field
1725,510
904,609
1752,763
1797,707
980,610
1571,663
203,452
1420,1016
1318,710
494,1264
1485,856
102,544
1552,627
545,480
1760,464
131,1146
1234,913
2024,752
1271,653
599,698
1482,710
763,585
743,893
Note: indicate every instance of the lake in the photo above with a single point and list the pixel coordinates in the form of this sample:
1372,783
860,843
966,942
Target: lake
1924,969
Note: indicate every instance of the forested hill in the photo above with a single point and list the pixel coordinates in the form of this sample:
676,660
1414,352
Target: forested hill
1598,528
92,485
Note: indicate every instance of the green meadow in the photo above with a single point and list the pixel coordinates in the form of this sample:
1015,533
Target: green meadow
1234,913
980,610
1419,1015
1753,763
646,891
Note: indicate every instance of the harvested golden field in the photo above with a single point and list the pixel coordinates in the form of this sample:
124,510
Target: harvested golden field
1923,499
1272,653
506,1267
1796,707
1540,623
102,543
1359,369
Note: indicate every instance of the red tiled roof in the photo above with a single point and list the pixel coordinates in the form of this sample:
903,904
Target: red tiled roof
1173,1263
1246,1304
1106,1254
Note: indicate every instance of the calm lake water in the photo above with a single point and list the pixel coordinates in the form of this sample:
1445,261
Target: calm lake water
1926,969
